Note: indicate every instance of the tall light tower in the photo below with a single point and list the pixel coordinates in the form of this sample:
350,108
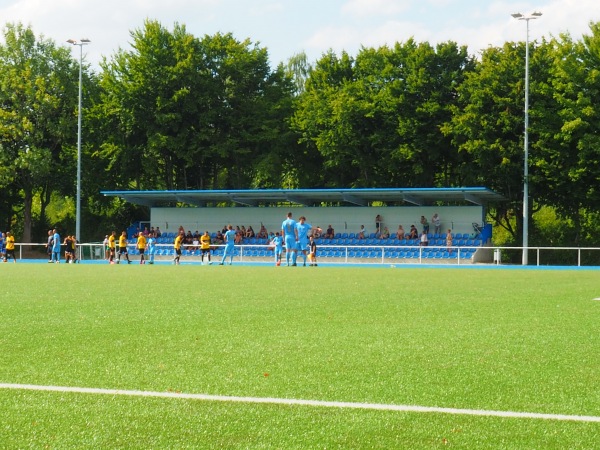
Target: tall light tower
79,43
526,18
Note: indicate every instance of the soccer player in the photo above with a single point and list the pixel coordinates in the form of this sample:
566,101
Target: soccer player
141,246
123,247
205,246
10,247
112,247
2,245
49,245
277,248
151,247
74,243
68,249
229,245
290,237
312,256
55,246
177,245
303,229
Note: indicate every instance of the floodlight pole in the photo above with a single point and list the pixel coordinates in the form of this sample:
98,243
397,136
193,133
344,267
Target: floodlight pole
526,18
80,44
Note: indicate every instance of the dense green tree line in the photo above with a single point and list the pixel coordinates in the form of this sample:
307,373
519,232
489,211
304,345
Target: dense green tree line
178,111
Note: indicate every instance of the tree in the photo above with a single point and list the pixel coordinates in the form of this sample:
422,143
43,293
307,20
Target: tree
566,167
38,98
487,126
377,119
186,113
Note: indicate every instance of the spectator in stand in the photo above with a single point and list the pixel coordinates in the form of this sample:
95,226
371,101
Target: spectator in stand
239,236
219,238
250,232
362,233
317,232
158,233
425,224
378,223
330,234
449,241
262,233
413,233
424,240
437,223
385,234
189,239
400,232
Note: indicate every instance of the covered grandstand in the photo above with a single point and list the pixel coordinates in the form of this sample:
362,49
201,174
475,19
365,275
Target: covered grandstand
462,210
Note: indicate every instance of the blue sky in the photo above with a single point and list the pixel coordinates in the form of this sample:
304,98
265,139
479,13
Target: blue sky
286,27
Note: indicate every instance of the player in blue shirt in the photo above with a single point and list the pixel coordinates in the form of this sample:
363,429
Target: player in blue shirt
277,242
303,231
290,237
56,247
151,247
229,237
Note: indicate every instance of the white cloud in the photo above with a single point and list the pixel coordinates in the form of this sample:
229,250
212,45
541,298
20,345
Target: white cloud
361,8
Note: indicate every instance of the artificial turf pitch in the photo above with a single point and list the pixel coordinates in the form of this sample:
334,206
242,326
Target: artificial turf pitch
524,341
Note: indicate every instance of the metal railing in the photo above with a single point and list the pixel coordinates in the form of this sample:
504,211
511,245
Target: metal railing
362,254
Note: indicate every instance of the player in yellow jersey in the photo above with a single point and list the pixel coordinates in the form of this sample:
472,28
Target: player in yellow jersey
10,247
205,245
111,247
177,245
141,246
123,247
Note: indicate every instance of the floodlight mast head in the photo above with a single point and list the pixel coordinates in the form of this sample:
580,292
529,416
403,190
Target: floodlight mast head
533,15
79,42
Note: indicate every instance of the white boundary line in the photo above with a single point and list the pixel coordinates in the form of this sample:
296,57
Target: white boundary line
296,402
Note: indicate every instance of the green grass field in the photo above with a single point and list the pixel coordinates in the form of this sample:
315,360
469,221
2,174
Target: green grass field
497,340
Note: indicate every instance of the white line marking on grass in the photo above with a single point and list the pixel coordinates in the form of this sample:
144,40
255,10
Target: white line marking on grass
297,402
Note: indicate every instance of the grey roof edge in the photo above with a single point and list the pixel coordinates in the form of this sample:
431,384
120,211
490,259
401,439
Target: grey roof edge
356,197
